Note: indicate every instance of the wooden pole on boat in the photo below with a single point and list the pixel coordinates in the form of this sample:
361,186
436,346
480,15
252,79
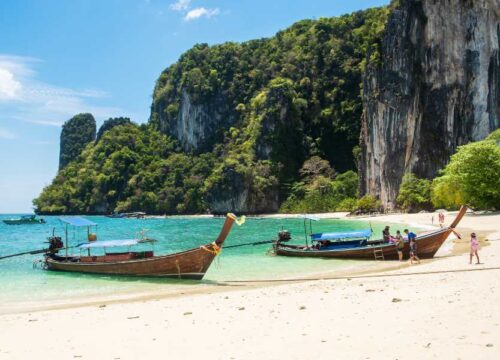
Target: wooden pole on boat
24,253
305,231
66,231
32,252
88,239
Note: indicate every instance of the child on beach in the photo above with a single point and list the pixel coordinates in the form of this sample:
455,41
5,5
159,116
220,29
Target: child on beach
474,247
400,245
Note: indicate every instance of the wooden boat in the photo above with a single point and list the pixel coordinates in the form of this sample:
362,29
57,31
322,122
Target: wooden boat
23,220
189,264
116,215
131,215
427,246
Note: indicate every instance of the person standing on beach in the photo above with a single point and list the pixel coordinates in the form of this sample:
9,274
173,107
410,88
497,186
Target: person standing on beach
400,245
413,252
412,238
386,234
441,219
474,247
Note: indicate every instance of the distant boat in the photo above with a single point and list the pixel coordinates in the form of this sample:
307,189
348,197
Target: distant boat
189,264
135,215
116,215
25,219
356,245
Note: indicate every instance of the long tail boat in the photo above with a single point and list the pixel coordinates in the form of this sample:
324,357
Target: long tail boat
356,245
189,264
23,220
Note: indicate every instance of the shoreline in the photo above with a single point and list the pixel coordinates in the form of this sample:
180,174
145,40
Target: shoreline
442,308
452,247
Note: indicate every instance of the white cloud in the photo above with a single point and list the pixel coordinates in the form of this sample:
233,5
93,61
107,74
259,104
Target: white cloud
201,12
24,97
193,14
180,5
9,87
56,123
7,134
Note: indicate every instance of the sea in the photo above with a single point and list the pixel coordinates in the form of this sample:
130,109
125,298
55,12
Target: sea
24,284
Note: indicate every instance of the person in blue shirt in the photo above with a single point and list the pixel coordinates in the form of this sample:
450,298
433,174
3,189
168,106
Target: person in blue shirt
410,235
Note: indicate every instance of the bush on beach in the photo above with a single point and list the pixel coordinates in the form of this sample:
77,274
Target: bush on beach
320,190
368,204
414,194
471,177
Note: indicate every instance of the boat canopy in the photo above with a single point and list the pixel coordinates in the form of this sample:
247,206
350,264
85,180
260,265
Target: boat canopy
28,216
77,221
342,235
109,243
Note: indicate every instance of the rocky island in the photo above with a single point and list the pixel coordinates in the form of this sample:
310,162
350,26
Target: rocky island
285,123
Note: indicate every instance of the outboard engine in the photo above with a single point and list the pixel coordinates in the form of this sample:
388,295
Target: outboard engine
55,243
284,236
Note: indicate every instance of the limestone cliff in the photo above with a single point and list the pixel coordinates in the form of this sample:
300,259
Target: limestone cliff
269,104
436,86
76,133
111,123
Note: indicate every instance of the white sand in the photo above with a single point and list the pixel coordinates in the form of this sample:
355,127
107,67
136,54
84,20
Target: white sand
447,315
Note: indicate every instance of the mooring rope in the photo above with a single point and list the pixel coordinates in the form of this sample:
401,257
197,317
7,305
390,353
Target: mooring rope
252,243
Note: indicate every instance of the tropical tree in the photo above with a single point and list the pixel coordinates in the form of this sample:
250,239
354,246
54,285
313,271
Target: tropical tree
472,176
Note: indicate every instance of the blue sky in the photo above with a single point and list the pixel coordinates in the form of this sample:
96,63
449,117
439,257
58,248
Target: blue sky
60,58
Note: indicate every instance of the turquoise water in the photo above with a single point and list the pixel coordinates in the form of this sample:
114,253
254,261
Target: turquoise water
20,283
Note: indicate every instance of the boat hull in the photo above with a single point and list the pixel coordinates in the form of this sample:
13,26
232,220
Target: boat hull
22,222
190,264
427,246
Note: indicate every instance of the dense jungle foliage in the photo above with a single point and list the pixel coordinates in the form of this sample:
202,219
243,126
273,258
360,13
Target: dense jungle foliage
283,101
472,177
322,63
131,168
76,133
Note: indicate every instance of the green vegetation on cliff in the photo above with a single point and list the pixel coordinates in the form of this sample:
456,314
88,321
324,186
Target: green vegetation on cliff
322,190
267,107
76,133
131,168
111,123
322,62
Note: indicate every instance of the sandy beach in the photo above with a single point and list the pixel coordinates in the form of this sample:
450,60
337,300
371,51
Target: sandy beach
443,308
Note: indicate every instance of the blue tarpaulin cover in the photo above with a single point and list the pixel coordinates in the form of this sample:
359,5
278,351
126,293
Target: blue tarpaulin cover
342,235
77,221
